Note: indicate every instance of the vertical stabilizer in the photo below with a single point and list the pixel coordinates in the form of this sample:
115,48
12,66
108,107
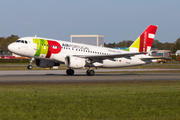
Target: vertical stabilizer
144,42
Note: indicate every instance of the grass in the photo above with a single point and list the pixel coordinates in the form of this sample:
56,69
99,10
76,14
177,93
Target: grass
136,100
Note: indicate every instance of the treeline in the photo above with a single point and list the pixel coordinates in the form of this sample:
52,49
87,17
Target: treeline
156,44
5,41
124,43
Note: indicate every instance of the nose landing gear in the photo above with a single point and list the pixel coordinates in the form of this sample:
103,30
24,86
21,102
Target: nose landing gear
30,66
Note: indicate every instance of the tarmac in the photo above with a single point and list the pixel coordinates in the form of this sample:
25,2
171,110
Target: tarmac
80,76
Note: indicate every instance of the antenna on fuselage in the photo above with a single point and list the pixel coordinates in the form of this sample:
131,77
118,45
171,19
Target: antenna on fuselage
35,36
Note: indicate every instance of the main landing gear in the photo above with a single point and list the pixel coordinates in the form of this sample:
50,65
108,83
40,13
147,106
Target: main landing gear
70,71
30,66
89,72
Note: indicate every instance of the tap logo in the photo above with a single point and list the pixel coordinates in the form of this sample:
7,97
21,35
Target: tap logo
45,48
144,42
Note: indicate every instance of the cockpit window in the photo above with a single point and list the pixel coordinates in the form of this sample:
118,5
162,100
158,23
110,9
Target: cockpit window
22,41
18,41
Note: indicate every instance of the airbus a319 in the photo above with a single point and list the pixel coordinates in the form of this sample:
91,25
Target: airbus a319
50,52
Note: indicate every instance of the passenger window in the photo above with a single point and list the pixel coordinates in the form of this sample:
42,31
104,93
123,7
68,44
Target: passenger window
26,42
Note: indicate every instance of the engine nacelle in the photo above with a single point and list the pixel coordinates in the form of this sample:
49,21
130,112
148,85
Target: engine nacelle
75,62
45,63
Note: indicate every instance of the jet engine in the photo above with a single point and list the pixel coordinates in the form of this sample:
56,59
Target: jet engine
45,63
75,62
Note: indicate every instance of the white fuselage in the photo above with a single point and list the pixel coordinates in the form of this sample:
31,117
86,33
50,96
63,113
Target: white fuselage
57,50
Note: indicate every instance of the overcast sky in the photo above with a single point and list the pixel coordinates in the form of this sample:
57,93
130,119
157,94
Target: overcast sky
117,20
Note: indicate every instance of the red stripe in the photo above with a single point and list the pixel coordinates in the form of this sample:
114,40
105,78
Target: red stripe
52,50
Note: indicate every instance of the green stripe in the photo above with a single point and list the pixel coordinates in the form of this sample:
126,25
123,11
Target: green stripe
44,47
41,49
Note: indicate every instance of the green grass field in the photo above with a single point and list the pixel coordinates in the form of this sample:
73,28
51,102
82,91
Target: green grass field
134,100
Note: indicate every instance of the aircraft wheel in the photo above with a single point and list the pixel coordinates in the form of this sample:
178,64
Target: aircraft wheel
70,72
91,72
29,67
87,72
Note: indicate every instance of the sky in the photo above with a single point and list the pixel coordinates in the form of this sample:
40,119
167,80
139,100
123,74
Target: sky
117,20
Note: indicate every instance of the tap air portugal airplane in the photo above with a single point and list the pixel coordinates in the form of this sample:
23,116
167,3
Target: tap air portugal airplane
50,52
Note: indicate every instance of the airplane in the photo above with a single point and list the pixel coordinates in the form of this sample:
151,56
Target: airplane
49,52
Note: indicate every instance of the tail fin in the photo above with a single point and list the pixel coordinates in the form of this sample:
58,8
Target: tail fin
144,42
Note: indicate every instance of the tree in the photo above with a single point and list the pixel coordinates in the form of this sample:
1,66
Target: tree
168,46
4,42
157,44
176,45
124,43
162,46
110,45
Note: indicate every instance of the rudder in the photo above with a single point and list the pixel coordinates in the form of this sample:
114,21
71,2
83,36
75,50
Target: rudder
144,42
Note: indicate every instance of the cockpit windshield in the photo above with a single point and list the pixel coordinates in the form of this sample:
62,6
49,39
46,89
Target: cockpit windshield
22,41
18,41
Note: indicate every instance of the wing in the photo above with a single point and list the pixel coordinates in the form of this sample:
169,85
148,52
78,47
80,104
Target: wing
128,54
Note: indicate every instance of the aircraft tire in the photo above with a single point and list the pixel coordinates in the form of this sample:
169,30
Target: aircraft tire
91,72
70,72
29,67
87,72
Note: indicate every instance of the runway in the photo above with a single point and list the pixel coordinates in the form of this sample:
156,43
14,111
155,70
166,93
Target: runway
80,76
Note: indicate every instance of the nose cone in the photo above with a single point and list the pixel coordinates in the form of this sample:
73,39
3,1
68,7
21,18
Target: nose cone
11,47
